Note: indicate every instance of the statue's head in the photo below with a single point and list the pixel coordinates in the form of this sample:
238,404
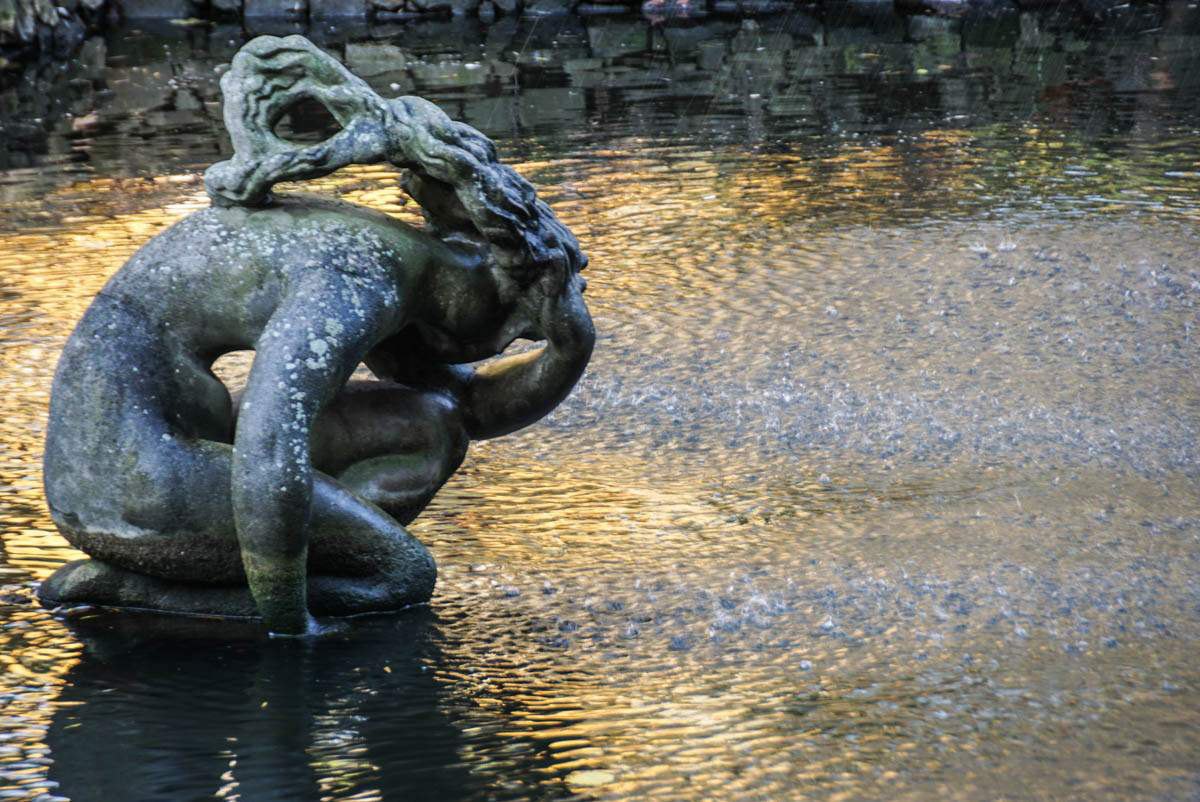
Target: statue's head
471,199
522,262
467,195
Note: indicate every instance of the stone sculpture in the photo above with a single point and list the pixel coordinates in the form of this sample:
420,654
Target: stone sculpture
292,500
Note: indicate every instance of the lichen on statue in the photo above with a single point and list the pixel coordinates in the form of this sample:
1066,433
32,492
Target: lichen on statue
291,500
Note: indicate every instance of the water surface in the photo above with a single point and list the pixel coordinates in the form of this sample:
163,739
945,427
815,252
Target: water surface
882,482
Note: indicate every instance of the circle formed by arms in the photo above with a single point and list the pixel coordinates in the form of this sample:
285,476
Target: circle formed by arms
452,170
292,499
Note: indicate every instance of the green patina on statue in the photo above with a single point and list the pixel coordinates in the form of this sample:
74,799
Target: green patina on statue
292,501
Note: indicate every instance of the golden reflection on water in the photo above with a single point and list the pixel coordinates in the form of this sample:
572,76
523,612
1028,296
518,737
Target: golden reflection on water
614,604
51,272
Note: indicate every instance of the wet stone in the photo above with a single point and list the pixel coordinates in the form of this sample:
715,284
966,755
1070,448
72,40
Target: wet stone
320,9
612,38
441,74
159,9
601,9
548,8
375,58
276,9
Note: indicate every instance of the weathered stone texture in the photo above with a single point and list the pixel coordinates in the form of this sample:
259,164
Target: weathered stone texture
285,9
290,499
20,19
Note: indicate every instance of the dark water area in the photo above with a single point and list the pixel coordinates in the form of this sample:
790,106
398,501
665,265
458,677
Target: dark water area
882,483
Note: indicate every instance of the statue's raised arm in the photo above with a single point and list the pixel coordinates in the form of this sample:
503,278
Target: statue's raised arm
266,79
453,170
292,500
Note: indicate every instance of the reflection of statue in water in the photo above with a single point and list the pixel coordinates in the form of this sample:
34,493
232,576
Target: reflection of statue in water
168,710
302,490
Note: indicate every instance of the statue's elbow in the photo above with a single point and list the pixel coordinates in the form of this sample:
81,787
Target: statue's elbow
577,340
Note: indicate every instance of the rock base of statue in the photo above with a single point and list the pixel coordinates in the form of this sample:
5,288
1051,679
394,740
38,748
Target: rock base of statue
98,584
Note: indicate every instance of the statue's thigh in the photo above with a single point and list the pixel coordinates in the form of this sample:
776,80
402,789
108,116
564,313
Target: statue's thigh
376,419
199,543
170,516
134,461
390,444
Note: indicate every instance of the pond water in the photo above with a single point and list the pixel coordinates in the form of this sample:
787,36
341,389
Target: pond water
882,482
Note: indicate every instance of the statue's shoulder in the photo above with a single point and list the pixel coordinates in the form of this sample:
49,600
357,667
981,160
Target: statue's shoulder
306,220
290,230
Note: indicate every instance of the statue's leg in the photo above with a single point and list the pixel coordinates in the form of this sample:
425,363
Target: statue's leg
151,504
360,559
392,445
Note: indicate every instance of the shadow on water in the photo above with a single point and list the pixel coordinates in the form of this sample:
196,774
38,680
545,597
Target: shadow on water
178,708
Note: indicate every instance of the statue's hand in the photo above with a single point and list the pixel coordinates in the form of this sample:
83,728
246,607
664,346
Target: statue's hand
514,391
563,319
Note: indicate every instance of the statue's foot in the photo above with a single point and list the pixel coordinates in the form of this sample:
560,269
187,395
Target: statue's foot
103,585
97,583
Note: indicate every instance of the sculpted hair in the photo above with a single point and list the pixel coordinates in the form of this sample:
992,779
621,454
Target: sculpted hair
452,170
